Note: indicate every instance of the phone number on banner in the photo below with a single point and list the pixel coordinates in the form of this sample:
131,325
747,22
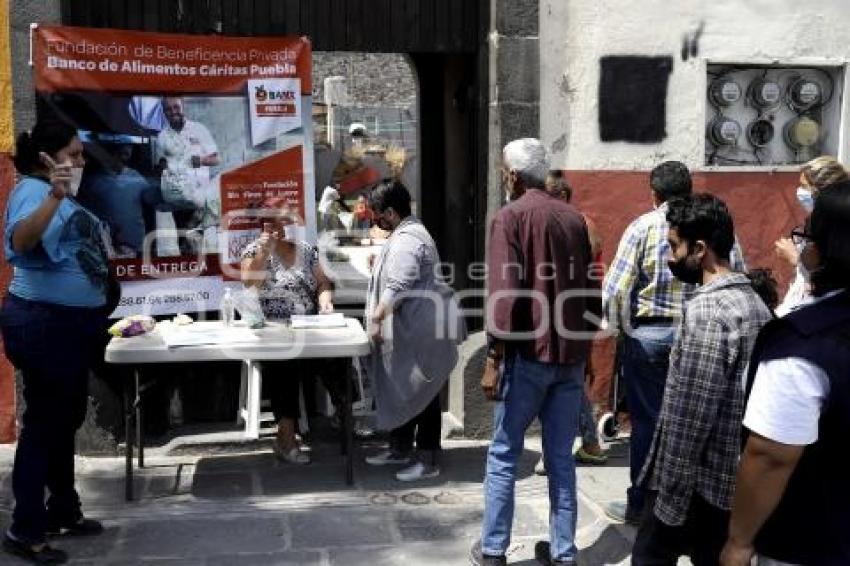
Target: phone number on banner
183,297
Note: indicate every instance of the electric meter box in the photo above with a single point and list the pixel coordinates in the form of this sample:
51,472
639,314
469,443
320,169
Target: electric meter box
771,115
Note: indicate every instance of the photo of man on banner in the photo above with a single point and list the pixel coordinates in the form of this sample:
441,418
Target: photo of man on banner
185,151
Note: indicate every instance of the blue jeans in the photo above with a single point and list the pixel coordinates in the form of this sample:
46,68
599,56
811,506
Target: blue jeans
646,359
530,389
53,346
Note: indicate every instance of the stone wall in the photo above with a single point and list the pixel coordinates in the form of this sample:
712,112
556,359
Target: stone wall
373,79
514,83
514,112
22,14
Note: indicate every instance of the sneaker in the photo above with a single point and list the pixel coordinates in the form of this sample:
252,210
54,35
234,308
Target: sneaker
543,554
622,513
418,471
388,458
540,468
37,554
477,558
292,456
81,528
363,432
585,457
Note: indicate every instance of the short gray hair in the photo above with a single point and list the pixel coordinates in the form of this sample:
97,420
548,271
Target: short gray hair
529,159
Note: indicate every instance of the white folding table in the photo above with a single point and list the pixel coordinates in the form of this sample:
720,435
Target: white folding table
276,341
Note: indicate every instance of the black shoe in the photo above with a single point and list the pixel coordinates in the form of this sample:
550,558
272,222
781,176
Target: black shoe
45,555
543,554
81,528
477,558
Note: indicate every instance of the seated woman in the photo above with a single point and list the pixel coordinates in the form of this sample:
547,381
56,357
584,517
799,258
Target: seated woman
287,273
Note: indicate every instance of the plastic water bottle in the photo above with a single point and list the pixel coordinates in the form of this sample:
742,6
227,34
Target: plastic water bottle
228,308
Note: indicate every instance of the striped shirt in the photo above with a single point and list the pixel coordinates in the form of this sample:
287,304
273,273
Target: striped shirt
639,283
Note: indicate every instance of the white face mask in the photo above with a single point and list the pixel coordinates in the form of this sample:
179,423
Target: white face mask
76,179
807,200
293,233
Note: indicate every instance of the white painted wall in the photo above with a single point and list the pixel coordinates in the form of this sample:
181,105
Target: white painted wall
575,34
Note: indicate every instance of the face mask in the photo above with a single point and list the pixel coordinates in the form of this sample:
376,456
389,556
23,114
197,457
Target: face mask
383,223
76,179
807,200
293,233
685,271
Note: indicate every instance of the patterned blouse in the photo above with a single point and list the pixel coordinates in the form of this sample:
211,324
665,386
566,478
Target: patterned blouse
288,290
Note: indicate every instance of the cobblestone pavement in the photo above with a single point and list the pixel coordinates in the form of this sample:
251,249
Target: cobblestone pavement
234,504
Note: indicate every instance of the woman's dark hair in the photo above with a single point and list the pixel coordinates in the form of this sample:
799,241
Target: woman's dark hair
670,179
48,136
390,193
703,217
829,226
765,286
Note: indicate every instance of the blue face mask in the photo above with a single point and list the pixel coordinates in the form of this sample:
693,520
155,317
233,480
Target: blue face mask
807,200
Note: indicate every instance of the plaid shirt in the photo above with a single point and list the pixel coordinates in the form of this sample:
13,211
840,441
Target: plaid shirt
697,441
639,283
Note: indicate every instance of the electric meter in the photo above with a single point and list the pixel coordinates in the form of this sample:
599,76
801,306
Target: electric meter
724,92
724,131
765,93
802,132
760,132
804,93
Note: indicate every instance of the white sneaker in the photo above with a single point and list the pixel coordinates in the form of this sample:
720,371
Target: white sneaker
294,455
388,458
418,471
540,468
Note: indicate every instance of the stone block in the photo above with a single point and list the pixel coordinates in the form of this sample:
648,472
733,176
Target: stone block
447,553
203,537
296,558
519,120
518,17
225,485
341,529
477,411
22,14
447,524
519,69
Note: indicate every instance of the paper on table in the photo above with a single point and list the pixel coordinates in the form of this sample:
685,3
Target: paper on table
196,335
333,320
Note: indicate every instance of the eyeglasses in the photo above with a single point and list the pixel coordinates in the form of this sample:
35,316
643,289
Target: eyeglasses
799,236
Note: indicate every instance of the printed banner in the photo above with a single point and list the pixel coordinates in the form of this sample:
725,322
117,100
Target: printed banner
188,138
275,108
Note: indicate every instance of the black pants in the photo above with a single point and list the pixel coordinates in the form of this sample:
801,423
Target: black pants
701,537
425,427
54,347
282,382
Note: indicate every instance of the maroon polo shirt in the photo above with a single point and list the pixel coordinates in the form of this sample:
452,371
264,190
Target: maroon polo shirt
539,280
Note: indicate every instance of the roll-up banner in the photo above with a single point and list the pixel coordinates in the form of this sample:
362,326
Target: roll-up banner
188,139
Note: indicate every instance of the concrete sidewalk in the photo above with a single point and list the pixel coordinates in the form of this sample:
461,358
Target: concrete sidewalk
228,505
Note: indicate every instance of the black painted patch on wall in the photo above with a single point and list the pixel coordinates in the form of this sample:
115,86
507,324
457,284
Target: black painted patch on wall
633,98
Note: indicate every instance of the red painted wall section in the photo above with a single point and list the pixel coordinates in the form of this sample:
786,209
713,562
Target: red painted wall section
763,205
7,372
